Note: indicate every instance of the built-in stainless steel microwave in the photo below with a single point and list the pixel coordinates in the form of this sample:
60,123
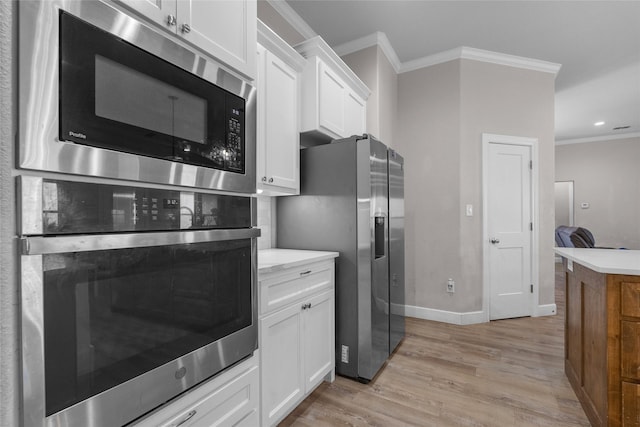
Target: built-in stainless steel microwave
103,94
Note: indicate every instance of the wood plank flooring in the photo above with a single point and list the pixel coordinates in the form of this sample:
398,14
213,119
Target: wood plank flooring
502,373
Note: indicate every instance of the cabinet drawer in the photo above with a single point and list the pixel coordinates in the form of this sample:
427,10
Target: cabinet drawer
286,288
630,405
630,349
630,299
228,400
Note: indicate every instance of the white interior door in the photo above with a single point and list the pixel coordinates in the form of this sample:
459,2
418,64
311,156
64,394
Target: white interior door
509,230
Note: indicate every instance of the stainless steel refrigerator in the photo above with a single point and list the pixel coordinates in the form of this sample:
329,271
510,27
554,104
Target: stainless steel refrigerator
352,201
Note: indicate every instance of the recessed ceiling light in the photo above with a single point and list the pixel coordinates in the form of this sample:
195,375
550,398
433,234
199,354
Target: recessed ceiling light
598,123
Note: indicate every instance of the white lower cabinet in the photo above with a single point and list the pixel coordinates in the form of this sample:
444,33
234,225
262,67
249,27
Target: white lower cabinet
281,343
229,399
318,332
296,336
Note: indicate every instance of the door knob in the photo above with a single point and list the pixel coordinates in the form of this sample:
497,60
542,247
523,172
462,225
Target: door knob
495,241
185,28
171,20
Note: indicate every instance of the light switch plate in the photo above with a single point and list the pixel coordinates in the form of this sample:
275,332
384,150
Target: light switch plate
469,210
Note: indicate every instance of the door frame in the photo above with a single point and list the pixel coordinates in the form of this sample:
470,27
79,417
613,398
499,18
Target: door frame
532,143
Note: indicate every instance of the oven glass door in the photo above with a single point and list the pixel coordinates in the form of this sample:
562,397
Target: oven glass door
111,315
117,96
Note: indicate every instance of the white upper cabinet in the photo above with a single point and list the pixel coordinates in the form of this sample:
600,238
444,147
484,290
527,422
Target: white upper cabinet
223,29
355,113
334,99
278,106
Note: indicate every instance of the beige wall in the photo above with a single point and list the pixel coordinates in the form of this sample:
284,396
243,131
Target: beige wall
374,69
606,175
564,203
428,135
508,101
442,112
9,307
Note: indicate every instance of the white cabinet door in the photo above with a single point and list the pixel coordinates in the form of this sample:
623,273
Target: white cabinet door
278,135
355,115
331,99
158,11
282,125
281,367
225,29
261,117
318,329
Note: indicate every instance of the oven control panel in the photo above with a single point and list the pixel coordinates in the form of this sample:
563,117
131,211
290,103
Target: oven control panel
71,207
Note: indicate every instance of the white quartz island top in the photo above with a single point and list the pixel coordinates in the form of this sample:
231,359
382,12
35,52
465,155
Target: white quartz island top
608,261
270,260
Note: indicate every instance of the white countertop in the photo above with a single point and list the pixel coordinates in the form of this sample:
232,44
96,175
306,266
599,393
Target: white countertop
611,261
270,260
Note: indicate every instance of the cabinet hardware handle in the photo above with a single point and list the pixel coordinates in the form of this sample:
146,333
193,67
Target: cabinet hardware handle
271,179
185,28
495,241
171,20
304,306
187,418
309,305
264,179
305,272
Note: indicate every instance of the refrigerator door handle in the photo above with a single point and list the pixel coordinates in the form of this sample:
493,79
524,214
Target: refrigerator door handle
380,236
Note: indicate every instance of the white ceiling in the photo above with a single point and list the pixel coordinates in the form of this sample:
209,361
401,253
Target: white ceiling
596,42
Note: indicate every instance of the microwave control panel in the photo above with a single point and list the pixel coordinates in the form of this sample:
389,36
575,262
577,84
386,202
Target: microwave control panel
234,156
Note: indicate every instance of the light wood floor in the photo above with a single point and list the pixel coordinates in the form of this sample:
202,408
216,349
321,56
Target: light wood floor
502,373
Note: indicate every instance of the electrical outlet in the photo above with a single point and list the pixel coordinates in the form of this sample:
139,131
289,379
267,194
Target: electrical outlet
451,286
345,354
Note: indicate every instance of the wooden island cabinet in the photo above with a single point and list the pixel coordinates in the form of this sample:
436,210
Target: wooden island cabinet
602,333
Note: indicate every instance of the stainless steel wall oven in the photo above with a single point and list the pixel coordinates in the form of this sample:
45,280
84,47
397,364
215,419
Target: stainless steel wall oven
130,295
103,94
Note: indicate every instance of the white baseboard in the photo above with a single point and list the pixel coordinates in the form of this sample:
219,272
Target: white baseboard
467,318
452,317
546,310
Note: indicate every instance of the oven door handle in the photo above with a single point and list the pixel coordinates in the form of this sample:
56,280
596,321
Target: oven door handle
83,243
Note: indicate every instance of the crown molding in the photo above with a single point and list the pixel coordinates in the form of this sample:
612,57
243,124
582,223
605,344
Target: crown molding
378,38
600,138
510,60
292,17
272,42
428,61
473,54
